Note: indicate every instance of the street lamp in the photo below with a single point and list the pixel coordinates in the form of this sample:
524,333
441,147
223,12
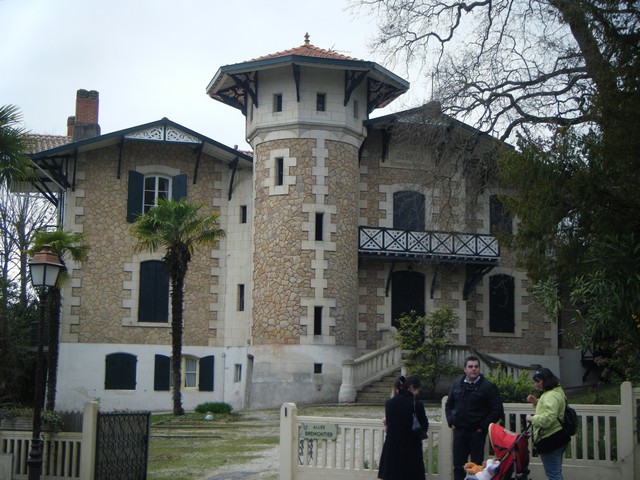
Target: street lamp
45,267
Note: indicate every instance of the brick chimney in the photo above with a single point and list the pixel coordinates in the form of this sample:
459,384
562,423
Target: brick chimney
85,123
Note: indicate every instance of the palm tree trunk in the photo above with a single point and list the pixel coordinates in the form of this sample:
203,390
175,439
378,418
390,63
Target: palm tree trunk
54,343
177,294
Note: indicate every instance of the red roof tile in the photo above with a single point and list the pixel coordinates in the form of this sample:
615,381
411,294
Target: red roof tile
307,50
39,143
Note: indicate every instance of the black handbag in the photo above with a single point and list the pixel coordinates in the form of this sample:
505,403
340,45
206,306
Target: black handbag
552,442
416,427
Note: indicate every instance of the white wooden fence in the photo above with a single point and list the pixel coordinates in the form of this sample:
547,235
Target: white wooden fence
313,448
66,455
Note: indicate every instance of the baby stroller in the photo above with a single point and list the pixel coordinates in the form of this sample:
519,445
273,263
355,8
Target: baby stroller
512,449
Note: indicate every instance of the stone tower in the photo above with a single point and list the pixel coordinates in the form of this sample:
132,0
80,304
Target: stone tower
304,110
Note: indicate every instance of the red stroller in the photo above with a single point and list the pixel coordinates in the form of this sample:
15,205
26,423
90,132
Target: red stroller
512,449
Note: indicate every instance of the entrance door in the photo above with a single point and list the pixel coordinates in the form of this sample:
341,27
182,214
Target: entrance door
407,294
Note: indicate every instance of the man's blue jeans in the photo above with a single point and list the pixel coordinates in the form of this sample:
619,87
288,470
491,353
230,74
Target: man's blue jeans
552,463
465,445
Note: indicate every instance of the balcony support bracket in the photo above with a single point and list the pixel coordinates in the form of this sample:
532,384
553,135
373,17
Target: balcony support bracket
474,276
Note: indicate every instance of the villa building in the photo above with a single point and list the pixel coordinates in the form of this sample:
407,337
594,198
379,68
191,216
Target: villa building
335,225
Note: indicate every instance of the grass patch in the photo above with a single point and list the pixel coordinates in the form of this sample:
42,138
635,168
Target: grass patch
188,447
597,395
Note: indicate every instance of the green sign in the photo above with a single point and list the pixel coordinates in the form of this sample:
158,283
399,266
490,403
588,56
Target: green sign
319,431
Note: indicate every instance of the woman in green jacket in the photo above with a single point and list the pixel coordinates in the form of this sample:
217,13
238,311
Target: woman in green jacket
549,437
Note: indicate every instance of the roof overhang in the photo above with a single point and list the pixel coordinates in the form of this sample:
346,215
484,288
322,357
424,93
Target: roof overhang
56,167
380,79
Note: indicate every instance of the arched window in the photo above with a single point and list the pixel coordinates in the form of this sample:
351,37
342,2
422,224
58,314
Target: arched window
120,371
500,217
408,211
502,304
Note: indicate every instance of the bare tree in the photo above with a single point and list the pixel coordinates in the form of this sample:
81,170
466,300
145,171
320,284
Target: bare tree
513,64
21,216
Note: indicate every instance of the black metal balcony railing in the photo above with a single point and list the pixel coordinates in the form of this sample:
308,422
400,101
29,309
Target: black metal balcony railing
454,247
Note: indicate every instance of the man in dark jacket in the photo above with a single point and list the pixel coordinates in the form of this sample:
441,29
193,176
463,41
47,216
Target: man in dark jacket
473,403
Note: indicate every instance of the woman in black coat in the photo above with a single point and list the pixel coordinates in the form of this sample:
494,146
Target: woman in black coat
401,457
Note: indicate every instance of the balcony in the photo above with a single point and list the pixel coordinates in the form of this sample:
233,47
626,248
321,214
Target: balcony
441,246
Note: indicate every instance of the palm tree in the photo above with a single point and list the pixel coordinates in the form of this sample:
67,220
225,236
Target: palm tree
176,226
14,165
64,244
14,145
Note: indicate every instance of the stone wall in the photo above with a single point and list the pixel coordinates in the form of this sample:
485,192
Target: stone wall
103,289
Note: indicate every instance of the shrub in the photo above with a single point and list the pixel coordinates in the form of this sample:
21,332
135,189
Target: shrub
214,407
511,389
427,339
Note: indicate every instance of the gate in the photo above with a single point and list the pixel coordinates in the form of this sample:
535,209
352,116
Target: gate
122,446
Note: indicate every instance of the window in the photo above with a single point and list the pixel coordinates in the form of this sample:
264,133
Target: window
279,171
408,211
277,102
317,320
320,102
196,373
237,373
407,294
241,298
356,109
317,368
144,191
189,372
500,217
502,304
154,189
243,214
319,223
120,371
153,298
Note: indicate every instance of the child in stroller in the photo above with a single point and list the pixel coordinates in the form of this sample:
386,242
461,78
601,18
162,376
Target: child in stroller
511,456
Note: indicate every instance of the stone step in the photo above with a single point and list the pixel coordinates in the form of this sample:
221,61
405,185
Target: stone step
378,392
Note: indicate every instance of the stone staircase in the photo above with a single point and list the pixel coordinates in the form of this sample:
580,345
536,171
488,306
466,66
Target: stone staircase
379,391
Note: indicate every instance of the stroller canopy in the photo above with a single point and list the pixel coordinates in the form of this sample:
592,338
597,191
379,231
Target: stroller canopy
512,449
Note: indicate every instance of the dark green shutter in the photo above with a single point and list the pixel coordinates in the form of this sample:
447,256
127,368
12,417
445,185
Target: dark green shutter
502,304
206,374
153,300
179,187
161,374
120,371
134,199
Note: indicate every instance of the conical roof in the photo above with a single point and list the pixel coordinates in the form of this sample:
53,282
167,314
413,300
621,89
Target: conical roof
237,85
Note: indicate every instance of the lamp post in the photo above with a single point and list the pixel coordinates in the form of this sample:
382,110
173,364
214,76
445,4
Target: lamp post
44,267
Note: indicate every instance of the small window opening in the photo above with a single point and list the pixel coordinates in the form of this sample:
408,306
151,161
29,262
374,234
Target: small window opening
279,171
237,373
319,223
321,102
241,298
317,368
243,214
277,102
317,320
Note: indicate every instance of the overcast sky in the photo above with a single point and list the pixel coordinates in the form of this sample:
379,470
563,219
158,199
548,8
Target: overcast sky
150,59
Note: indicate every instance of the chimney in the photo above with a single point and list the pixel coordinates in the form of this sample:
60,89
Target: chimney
71,121
85,123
